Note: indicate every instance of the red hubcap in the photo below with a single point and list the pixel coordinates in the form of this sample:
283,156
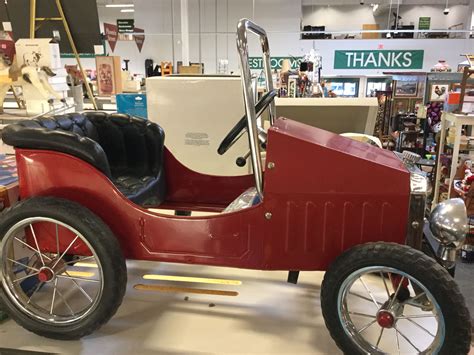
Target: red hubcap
385,319
45,275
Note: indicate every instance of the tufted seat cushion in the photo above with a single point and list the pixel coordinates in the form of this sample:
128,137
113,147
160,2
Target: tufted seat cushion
128,150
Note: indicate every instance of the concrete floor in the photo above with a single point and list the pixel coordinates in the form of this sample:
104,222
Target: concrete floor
268,316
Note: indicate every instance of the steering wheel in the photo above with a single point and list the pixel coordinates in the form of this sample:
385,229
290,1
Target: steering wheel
235,132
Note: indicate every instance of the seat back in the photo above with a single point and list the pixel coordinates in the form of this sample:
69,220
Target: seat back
127,149
133,147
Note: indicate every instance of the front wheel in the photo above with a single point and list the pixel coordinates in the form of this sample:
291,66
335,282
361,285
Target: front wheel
382,298
62,272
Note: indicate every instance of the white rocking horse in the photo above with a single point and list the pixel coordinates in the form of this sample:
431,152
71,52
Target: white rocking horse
26,75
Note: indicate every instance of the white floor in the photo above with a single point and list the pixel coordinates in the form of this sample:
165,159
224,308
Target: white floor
268,316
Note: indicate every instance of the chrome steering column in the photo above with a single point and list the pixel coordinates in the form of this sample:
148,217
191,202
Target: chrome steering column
245,26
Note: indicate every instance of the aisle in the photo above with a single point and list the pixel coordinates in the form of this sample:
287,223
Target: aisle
268,316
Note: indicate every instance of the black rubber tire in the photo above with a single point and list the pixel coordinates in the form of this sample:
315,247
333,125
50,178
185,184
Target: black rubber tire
102,241
413,262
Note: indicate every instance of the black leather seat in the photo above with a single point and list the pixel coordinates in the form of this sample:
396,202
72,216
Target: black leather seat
128,150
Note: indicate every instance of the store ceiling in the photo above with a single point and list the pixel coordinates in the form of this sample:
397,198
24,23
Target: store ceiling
368,2
101,3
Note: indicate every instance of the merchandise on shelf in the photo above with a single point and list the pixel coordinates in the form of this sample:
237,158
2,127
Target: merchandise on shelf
441,67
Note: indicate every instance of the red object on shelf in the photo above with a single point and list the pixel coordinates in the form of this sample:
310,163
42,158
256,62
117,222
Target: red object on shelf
453,98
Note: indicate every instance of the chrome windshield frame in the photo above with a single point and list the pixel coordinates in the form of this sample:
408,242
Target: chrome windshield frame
244,27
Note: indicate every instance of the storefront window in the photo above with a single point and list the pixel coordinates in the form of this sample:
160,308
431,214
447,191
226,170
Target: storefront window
376,84
344,87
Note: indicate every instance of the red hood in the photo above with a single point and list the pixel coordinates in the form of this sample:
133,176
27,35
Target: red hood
338,143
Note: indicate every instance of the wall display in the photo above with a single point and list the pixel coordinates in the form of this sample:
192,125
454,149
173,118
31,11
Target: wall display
378,59
405,88
438,92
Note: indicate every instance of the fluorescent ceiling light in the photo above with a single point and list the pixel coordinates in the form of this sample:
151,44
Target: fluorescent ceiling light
127,10
119,5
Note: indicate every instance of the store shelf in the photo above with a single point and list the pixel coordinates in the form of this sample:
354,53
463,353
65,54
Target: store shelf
323,101
457,120
469,149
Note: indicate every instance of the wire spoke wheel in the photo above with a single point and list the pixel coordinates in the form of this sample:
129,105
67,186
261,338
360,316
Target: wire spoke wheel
386,310
42,282
387,298
63,274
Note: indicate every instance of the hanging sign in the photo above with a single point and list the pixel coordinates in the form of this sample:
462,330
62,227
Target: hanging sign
126,25
424,23
139,38
111,35
378,59
275,62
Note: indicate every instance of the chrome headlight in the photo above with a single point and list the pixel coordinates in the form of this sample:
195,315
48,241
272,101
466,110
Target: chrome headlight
448,222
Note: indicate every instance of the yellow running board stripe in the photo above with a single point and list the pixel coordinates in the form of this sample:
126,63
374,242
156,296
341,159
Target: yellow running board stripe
191,279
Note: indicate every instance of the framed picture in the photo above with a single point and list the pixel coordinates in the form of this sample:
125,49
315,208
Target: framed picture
400,105
405,88
109,75
438,92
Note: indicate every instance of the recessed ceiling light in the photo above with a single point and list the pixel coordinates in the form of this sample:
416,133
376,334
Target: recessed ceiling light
119,5
127,10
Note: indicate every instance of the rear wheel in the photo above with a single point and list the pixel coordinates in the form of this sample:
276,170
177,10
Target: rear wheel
62,271
387,298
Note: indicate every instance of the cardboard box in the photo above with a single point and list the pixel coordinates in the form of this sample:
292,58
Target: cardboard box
38,52
109,75
191,69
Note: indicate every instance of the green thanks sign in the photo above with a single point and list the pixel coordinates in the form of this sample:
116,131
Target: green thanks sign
275,62
379,59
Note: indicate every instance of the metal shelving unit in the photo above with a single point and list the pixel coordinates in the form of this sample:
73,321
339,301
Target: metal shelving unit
458,121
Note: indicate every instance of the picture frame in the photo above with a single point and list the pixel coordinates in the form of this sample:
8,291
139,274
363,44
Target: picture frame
109,75
438,92
400,105
405,88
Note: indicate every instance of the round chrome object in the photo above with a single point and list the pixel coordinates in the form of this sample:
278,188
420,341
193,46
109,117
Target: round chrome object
448,222
52,286
386,311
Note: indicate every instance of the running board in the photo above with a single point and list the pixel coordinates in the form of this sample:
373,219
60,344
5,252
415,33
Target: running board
191,279
174,289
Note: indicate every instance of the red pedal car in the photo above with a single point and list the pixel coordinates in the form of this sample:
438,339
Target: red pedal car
87,182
